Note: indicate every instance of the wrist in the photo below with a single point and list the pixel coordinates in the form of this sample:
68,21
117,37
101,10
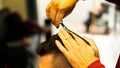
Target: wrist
96,64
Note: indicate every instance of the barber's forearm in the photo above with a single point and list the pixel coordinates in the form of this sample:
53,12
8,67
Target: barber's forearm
117,2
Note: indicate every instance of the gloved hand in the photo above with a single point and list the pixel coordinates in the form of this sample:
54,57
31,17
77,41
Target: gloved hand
77,52
58,9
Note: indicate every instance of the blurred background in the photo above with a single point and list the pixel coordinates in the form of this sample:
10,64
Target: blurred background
24,24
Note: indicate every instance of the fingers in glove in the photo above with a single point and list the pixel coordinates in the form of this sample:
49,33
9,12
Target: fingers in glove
59,16
61,48
66,43
69,38
48,10
80,41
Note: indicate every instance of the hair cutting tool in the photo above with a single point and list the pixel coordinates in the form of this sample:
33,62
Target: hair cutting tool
69,31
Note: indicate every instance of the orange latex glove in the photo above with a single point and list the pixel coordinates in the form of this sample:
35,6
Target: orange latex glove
58,9
77,52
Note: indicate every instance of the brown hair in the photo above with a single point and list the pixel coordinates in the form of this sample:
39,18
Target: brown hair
49,47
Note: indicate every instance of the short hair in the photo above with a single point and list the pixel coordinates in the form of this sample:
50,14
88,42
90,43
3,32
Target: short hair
49,47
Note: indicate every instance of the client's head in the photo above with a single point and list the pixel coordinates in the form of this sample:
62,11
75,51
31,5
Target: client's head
50,56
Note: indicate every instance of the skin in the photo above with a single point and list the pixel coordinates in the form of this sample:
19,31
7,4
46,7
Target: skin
58,9
45,61
53,61
77,52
